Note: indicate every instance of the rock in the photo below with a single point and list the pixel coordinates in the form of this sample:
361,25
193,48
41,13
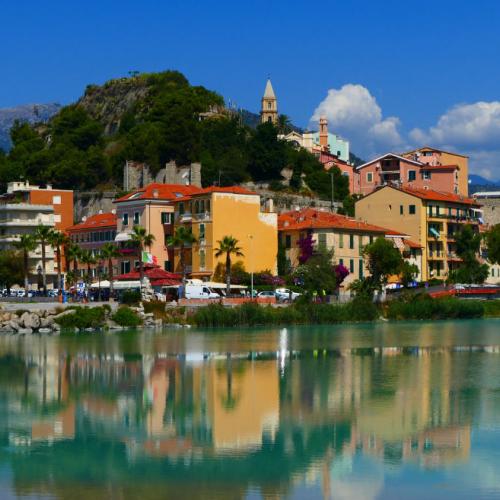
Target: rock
25,331
112,325
64,313
31,320
14,325
46,322
44,330
148,315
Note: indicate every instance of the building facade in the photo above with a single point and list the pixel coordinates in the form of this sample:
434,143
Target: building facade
344,236
90,235
400,171
24,207
430,218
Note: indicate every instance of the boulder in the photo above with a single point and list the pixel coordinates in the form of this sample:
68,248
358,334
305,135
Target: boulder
44,330
64,313
46,322
31,320
13,325
25,331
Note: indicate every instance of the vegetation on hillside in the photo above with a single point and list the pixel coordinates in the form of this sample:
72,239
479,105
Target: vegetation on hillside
155,118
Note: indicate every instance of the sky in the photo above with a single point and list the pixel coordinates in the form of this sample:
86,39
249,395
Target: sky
389,75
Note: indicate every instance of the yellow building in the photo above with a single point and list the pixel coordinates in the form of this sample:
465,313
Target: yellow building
344,236
438,157
215,212
431,219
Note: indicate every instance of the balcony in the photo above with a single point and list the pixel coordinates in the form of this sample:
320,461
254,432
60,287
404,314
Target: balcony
453,256
202,216
186,217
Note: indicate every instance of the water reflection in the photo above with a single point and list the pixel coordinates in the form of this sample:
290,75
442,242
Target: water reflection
80,421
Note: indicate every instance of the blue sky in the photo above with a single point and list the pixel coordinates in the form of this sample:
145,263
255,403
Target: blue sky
408,64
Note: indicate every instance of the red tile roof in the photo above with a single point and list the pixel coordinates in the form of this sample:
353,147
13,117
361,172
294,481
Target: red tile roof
311,218
160,192
429,194
153,273
178,192
97,221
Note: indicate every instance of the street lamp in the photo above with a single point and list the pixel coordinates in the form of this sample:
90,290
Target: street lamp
332,205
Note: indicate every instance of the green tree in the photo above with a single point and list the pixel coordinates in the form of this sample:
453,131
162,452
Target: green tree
182,238
228,246
284,124
408,273
141,239
384,260
493,244
11,268
72,253
317,275
468,244
43,235
26,244
109,251
89,259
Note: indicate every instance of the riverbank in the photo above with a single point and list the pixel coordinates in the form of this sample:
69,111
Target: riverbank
157,315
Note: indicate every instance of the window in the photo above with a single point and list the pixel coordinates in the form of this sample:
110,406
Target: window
322,240
136,264
202,231
361,265
339,153
371,239
125,266
137,218
167,265
166,218
426,175
360,242
56,200
401,210
411,210
351,266
412,175
341,262
341,240
202,259
181,208
369,177
288,241
57,217
207,205
351,241
269,105
125,220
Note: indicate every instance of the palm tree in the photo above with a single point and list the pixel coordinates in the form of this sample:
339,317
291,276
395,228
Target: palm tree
43,235
181,238
284,124
87,257
58,240
141,239
72,254
109,251
228,246
26,244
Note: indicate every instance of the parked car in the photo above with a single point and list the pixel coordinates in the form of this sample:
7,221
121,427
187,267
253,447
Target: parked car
199,291
283,294
267,294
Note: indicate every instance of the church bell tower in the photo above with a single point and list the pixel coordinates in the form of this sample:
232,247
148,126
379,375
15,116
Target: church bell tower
269,105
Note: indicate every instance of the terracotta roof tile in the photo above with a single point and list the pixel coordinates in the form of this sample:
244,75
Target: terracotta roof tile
96,222
429,194
160,192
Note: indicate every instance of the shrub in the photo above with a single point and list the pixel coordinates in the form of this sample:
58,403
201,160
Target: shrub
131,297
84,317
425,307
126,317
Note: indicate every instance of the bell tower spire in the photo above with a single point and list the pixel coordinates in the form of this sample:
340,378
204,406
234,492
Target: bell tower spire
269,105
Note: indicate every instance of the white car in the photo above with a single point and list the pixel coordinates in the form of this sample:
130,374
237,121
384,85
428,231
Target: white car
266,294
284,294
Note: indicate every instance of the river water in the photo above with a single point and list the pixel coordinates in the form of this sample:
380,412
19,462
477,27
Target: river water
386,410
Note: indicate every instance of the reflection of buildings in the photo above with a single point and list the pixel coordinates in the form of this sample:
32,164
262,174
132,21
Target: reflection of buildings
269,423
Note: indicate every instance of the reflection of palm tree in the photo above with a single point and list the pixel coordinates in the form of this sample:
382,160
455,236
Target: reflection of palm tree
229,401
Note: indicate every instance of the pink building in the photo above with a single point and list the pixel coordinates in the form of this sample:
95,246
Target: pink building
330,160
393,169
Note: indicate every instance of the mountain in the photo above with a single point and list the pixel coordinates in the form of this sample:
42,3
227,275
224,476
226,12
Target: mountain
480,183
31,113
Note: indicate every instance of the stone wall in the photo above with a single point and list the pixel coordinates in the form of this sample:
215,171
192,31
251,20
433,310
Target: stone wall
491,209
89,203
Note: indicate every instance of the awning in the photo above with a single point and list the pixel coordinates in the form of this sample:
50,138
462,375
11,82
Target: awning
102,284
434,232
122,237
125,285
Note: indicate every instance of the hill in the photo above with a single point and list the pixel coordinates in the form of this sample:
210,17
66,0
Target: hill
30,113
155,118
479,183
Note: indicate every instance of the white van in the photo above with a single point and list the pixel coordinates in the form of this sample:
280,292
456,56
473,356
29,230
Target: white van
200,291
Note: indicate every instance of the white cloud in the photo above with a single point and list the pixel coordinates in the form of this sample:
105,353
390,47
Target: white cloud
354,113
473,129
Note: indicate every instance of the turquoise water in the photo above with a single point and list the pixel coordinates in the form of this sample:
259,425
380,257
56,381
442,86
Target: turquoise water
386,410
